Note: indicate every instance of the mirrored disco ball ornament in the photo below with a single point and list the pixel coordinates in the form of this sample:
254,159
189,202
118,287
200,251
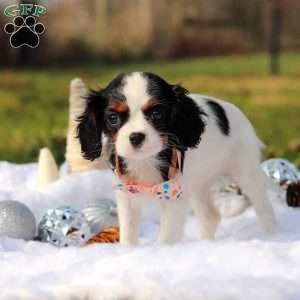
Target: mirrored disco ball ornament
16,220
63,227
281,171
101,214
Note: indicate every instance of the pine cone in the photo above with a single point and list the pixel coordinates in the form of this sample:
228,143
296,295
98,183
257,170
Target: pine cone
108,235
293,194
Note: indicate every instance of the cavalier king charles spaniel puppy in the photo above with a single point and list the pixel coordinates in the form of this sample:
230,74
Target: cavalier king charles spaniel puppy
170,146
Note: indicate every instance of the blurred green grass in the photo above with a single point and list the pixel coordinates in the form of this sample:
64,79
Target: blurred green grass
34,103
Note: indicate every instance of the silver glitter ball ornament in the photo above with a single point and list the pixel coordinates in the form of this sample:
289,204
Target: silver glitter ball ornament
227,186
63,227
101,214
16,220
229,198
281,171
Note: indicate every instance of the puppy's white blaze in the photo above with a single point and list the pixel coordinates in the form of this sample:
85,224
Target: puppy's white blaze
137,123
135,91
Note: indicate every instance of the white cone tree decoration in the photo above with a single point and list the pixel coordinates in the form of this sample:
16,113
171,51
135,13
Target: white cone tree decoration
47,168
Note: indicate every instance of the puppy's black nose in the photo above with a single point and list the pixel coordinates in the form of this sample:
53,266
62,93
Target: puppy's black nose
137,138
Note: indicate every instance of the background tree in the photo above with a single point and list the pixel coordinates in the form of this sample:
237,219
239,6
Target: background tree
277,9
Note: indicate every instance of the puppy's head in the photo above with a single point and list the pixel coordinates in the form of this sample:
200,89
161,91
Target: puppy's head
142,115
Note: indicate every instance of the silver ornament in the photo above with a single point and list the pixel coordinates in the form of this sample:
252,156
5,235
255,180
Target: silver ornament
101,214
16,220
229,198
229,187
63,227
281,171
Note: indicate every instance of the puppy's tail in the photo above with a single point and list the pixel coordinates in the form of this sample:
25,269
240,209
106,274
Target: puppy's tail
47,168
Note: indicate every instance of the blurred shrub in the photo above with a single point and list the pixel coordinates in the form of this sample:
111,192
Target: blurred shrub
209,43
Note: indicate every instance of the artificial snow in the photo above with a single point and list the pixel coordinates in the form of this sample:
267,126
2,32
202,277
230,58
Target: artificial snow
241,263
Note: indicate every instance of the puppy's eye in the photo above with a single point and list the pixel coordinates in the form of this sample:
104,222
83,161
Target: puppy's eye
156,115
113,119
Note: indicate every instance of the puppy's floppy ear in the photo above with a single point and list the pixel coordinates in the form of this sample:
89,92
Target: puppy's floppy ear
187,122
91,123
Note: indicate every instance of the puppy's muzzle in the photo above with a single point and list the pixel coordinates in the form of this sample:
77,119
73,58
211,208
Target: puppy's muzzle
137,139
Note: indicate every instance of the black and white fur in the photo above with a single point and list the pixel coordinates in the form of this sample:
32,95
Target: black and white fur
214,137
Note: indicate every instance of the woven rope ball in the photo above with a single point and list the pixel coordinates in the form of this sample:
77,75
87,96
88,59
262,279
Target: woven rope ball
107,235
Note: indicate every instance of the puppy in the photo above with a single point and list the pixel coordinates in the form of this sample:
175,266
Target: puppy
169,146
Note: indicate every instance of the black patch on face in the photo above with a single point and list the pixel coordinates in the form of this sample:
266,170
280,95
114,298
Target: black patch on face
114,120
221,117
158,116
180,118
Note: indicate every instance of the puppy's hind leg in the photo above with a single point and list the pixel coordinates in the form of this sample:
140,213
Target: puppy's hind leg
251,179
209,218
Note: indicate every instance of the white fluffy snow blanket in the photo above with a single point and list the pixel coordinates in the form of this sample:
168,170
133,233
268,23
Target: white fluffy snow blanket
241,263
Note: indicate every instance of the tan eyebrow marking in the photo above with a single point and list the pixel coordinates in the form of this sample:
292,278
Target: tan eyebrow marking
114,136
120,106
151,102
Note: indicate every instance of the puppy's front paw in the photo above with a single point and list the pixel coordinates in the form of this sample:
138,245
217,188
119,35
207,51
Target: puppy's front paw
128,241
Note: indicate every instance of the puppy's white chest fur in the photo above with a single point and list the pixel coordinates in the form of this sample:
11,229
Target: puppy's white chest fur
146,170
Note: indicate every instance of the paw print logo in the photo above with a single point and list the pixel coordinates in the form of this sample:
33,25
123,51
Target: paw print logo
24,32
